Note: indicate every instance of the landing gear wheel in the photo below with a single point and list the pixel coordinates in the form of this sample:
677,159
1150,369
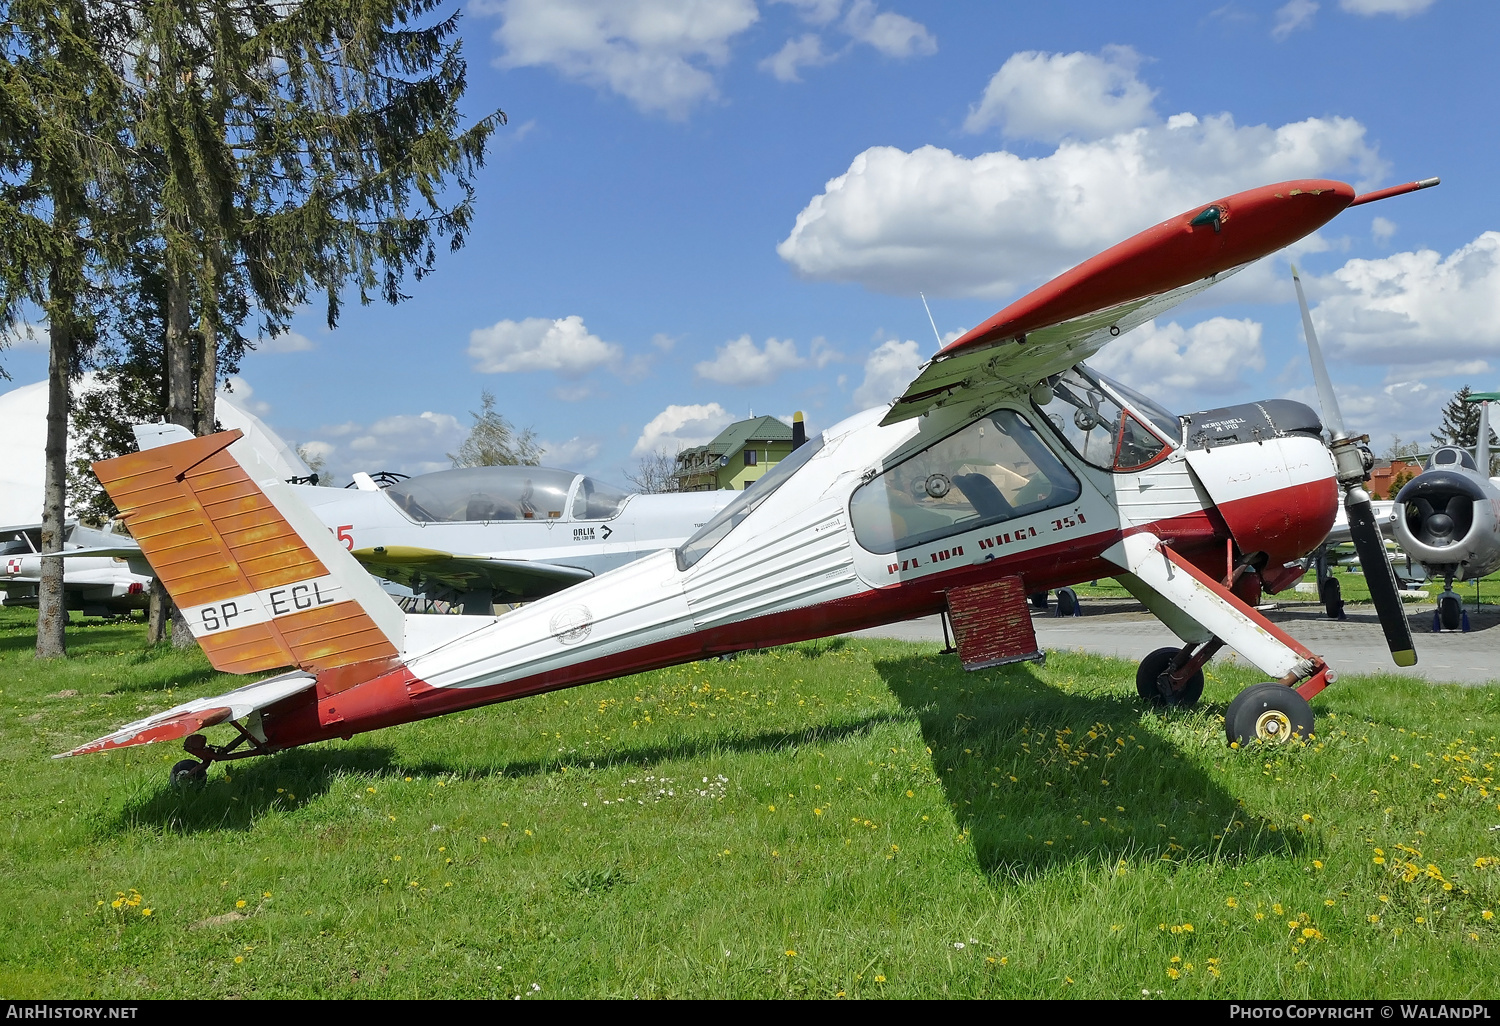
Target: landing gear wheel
1271,713
1038,599
1333,599
189,774
1150,672
1450,612
1067,602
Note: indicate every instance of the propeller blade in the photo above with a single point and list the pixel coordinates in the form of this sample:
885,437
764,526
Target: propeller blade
1332,419
1378,574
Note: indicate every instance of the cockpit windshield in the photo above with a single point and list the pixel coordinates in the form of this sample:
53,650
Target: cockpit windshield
728,518
484,494
1106,423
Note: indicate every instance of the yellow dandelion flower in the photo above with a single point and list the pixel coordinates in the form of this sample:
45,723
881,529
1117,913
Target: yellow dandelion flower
880,979
1317,864
1187,927
790,953
240,903
267,894
1260,915
772,808
1174,973
1232,902
146,911
238,959
1372,918
1328,902
1486,915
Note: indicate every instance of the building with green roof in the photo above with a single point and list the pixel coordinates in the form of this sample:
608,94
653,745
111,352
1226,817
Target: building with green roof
740,454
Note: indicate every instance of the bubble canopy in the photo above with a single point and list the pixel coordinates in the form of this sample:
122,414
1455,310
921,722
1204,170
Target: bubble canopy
487,494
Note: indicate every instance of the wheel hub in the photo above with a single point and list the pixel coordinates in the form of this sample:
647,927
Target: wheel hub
1273,725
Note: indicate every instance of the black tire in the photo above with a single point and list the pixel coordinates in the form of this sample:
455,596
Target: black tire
1038,599
1270,713
1067,602
1150,671
189,774
1333,598
1450,612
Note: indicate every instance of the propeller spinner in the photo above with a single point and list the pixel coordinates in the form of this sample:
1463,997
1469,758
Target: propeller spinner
1351,460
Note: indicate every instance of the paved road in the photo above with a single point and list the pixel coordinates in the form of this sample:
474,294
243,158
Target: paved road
1356,645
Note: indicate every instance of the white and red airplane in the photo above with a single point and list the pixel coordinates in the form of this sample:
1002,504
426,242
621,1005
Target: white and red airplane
1005,469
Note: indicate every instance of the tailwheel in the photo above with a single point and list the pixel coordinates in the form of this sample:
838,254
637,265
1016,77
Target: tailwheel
1067,603
189,774
1154,684
1271,713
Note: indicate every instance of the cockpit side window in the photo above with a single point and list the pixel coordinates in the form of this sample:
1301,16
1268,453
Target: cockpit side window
995,469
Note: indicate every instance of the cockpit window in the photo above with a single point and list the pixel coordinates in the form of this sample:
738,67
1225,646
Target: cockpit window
596,500
1451,457
995,469
1086,410
728,518
484,494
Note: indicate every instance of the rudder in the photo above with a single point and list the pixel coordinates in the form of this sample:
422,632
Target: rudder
260,580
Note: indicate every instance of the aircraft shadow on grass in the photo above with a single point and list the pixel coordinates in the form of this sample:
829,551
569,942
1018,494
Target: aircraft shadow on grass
309,773
1029,803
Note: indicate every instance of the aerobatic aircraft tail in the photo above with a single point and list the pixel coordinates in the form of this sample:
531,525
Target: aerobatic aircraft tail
261,581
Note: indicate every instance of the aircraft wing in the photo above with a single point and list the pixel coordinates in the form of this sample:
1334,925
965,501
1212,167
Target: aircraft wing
1075,314
522,578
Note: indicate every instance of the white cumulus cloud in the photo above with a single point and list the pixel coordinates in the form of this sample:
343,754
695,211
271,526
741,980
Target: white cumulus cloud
659,54
678,427
287,342
1410,307
576,452
1211,356
1051,96
240,389
564,346
408,443
932,220
889,368
894,35
1293,16
806,51
741,362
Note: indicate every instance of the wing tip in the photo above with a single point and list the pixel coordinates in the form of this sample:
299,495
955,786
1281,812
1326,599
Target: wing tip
1405,657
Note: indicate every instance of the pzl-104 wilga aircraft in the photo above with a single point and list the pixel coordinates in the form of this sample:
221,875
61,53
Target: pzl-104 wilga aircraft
1005,469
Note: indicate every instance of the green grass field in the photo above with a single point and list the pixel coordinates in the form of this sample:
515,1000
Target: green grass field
850,819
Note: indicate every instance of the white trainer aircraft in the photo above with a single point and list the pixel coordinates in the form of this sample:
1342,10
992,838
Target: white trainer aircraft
1006,468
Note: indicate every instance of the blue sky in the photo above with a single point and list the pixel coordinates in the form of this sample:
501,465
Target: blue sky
704,208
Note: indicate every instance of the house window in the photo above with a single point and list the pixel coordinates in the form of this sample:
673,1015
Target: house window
750,458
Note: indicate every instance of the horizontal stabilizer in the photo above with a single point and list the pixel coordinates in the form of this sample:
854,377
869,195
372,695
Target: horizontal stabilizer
185,719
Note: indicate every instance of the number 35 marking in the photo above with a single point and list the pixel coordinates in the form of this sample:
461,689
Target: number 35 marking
346,537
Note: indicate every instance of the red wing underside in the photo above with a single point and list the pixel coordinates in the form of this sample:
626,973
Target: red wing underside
1075,314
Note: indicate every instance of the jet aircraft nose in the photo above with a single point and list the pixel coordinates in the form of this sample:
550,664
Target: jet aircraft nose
1438,508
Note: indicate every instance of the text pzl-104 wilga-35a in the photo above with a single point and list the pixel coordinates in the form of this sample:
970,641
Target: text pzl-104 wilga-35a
1005,469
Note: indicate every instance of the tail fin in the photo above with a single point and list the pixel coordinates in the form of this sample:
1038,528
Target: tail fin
262,583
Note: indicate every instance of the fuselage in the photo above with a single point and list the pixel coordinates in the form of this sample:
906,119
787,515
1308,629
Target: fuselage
873,524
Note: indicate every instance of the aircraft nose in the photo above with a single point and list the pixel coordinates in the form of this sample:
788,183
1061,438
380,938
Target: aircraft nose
1439,507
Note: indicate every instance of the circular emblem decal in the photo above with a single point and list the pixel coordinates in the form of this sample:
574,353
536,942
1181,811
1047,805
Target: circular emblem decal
572,624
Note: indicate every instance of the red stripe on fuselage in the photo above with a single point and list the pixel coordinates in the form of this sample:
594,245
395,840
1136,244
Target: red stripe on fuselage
399,696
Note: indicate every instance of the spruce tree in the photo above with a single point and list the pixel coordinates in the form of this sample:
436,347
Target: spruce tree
63,141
